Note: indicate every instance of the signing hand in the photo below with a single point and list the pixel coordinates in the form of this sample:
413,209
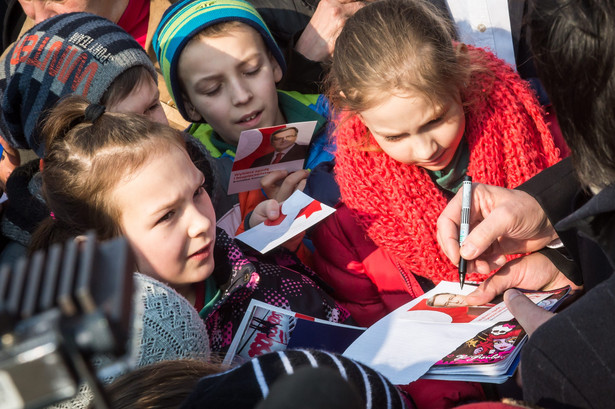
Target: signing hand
503,221
533,272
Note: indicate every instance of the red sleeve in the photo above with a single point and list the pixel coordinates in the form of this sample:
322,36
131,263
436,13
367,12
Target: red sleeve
365,278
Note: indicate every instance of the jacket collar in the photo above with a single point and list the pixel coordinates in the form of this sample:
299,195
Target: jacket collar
595,220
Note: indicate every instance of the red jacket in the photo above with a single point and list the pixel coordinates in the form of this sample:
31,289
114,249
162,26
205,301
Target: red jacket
365,278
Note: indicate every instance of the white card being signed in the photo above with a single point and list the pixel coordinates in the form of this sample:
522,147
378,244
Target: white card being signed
298,213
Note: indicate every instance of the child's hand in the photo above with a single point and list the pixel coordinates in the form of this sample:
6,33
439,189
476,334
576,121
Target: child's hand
267,210
279,184
271,210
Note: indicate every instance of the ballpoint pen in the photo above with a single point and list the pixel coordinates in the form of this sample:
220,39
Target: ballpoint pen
464,227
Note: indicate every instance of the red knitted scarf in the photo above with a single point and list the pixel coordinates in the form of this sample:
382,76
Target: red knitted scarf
398,205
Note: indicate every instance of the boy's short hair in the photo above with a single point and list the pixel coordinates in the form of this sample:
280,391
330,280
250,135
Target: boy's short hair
185,19
74,53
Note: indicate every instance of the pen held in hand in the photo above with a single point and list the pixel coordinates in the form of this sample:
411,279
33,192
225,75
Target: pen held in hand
464,227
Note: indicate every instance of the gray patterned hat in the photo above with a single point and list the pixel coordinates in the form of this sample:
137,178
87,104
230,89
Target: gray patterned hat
70,53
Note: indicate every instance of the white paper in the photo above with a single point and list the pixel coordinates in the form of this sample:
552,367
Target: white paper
401,345
265,237
405,344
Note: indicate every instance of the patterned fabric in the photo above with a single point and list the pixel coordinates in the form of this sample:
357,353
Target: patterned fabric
184,19
165,326
277,278
257,377
168,326
60,56
509,143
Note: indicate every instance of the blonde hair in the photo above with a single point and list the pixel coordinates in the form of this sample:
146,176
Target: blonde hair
219,29
85,159
396,46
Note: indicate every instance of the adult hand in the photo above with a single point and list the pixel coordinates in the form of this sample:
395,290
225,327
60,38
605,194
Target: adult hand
529,315
503,221
279,184
533,272
317,41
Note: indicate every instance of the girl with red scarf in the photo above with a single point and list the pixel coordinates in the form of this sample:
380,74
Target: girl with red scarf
418,112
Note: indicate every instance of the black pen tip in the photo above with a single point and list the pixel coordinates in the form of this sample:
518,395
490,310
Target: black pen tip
462,281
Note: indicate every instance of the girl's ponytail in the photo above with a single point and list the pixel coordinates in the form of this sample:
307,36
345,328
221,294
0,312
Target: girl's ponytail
67,114
50,231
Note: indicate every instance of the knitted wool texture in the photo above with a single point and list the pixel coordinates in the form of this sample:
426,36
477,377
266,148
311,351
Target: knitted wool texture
165,326
398,205
75,53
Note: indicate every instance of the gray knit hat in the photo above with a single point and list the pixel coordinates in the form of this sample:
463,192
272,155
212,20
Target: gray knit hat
70,53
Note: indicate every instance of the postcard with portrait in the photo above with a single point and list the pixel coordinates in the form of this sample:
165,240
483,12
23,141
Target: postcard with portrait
261,151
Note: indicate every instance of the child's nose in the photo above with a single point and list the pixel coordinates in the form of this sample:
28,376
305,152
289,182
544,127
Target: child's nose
199,222
240,93
424,147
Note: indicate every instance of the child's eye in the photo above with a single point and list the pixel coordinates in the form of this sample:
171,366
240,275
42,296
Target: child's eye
253,71
154,107
435,120
209,89
167,216
212,92
393,138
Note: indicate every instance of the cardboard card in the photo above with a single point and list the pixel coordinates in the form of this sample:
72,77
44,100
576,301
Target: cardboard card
297,213
261,151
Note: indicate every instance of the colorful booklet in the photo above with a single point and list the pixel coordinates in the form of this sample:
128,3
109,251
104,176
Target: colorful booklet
261,151
266,328
438,336
297,213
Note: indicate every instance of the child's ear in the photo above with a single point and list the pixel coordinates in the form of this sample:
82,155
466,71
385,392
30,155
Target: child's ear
193,114
277,70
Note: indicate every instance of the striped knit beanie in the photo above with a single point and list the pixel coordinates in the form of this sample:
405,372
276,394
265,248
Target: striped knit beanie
185,19
258,378
70,53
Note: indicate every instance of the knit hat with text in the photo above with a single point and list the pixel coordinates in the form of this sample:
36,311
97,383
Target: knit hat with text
185,19
75,53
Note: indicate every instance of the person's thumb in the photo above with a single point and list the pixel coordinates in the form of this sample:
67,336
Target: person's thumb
273,209
490,288
483,235
529,315
482,295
